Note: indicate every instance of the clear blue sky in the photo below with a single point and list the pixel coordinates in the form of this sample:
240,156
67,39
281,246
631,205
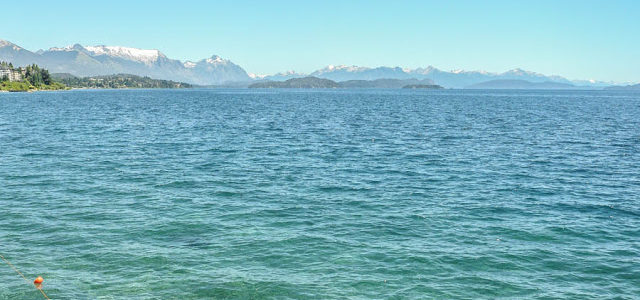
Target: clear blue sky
576,39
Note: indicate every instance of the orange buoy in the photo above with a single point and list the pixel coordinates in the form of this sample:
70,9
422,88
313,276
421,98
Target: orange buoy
38,280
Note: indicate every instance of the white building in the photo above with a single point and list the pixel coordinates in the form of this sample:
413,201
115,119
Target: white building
14,75
4,72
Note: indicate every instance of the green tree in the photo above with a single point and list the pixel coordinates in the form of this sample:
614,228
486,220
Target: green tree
46,78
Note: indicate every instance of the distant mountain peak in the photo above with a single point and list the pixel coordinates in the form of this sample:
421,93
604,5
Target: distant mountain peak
68,48
146,56
520,72
282,75
5,43
290,73
215,59
424,71
346,68
256,76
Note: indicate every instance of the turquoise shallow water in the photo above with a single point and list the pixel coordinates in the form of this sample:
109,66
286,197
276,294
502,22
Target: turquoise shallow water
361,194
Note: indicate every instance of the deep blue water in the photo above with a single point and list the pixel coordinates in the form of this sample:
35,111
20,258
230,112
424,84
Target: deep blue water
339,194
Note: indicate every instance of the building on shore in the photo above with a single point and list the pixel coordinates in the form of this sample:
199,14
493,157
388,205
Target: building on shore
4,71
12,74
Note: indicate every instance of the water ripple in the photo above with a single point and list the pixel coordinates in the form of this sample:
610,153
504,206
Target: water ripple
341,194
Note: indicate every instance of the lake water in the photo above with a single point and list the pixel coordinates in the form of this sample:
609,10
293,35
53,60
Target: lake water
334,194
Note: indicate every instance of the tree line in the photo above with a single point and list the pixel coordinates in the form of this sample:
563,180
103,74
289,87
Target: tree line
33,77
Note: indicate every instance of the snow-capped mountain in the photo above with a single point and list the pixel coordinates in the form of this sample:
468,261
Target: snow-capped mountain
216,70
461,79
134,54
282,76
257,76
106,60
343,73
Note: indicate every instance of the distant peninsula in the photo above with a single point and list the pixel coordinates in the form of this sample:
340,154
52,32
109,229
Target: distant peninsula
384,83
635,87
321,83
118,81
297,83
422,86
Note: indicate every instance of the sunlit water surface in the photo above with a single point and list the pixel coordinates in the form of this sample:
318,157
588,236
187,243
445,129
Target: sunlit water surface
334,194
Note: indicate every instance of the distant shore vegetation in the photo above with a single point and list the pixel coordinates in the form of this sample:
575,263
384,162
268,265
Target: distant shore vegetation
298,83
118,81
34,78
29,78
423,86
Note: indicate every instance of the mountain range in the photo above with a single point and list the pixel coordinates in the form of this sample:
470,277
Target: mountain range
448,79
315,82
85,61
